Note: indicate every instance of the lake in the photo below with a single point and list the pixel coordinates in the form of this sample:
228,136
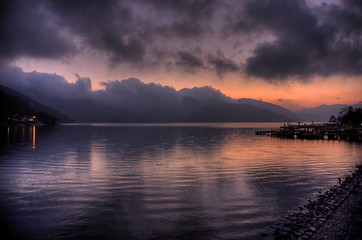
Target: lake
159,181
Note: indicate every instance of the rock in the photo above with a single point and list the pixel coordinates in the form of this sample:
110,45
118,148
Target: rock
303,224
313,229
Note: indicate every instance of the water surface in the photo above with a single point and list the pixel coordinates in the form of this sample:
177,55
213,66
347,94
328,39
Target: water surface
159,181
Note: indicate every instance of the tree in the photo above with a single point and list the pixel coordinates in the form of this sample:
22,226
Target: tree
350,115
333,119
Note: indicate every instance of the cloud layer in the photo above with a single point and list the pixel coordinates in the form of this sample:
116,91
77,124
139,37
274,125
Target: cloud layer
324,41
271,39
120,100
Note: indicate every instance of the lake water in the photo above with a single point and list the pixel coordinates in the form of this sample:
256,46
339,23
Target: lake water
159,181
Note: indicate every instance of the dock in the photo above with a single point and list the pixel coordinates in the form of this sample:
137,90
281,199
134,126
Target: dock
321,131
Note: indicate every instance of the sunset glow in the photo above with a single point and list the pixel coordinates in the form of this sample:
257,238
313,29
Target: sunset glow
302,58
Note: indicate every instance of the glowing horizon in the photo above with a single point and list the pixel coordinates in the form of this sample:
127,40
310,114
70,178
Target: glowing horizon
292,95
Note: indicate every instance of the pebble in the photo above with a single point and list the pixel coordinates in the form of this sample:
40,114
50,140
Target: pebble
305,222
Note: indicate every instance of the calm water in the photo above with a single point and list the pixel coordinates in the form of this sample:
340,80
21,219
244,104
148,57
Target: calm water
171,181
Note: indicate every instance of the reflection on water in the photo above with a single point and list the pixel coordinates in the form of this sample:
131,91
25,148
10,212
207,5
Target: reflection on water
17,134
33,135
183,181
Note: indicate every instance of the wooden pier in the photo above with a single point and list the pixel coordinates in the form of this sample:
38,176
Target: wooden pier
324,131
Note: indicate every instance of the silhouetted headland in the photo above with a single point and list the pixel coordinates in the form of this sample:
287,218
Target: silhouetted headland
20,110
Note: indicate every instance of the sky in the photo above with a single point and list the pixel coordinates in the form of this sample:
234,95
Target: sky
295,53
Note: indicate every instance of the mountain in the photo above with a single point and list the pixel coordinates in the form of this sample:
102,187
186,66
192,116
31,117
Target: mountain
322,113
269,106
131,100
90,110
14,102
139,102
234,112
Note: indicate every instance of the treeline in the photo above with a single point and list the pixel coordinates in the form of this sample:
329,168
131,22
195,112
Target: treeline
349,115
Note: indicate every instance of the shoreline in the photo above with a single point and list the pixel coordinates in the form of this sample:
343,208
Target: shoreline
332,215
346,222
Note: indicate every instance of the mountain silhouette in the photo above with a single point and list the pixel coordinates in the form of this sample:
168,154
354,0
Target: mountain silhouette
268,106
322,113
15,103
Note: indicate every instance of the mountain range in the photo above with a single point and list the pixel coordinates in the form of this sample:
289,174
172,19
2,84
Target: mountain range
203,104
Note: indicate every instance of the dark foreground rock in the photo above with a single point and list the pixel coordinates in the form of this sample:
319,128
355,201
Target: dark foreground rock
346,222
336,214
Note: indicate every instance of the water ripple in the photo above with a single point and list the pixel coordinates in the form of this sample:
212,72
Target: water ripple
161,182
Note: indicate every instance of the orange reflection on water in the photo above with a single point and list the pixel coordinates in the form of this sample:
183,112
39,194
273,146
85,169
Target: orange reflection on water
289,155
33,136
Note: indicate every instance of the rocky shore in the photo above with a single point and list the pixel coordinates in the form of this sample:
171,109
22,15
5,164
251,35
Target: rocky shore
335,214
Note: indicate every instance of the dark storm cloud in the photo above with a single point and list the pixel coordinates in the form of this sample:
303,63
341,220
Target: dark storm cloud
222,65
306,44
108,26
300,40
189,62
131,50
26,29
122,30
183,29
192,9
188,19
303,40
50,29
